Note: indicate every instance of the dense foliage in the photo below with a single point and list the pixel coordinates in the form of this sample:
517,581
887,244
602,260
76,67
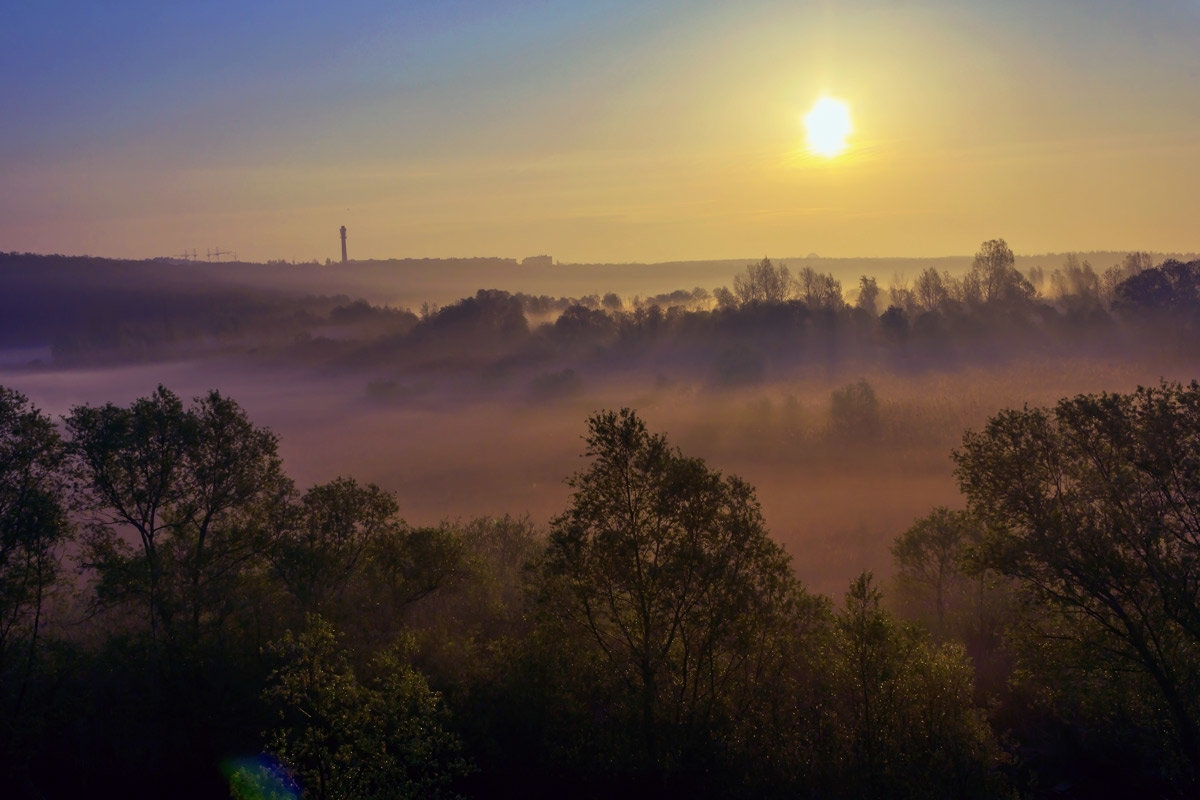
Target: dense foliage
773,321
177,618
1094,508
236,632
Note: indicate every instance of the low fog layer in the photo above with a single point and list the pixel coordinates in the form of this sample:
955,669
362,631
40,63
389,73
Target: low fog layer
40,292
399,572
842,412
834,504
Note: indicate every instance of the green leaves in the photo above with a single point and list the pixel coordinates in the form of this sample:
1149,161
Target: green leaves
907,721
329,536
345,739
1095,508
33,528
667,567
199,487
937,575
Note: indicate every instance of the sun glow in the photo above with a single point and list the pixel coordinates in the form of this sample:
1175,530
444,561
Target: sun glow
827,125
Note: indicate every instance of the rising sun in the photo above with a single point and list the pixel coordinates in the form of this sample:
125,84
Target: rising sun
827,126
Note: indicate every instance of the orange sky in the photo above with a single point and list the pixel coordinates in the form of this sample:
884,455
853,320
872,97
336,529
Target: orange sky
599,131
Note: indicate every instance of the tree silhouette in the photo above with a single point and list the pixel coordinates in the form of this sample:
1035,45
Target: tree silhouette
666,567
201,488
908,722
819,290
34,527
930,559
994,277
868,295
333,530
763,282
1094,506
854,412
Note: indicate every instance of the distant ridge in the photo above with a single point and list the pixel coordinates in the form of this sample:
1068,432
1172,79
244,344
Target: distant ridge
411,282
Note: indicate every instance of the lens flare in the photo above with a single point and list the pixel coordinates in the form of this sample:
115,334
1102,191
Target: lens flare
259,778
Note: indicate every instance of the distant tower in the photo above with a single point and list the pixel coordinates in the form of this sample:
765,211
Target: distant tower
343,244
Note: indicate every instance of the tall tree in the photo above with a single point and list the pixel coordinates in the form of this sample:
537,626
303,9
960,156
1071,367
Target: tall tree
994,275
199,487
666,567
232,494
763,282
1094,506
819,289
932,567
33,530
333,531
930,291
868,295
909,726
128,462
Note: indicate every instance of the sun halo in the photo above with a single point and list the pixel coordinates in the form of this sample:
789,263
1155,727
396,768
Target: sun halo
827,125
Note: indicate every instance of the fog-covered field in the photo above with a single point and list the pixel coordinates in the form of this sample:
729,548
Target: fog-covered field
835,503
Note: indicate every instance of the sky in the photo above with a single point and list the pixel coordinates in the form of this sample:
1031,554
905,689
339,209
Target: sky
605,131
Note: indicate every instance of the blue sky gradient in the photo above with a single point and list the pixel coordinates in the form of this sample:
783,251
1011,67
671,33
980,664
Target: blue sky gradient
596,130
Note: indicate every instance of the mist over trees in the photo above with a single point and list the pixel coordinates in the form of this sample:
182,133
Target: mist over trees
174,605
34,529
233,635
666,567
784,319
1091,508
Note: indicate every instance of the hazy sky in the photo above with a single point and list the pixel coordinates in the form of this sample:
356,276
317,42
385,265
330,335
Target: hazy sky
596,131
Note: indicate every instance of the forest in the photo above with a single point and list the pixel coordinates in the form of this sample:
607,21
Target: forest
188,607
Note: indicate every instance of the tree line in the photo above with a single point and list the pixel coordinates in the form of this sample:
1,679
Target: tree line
769,321
176,616
772,321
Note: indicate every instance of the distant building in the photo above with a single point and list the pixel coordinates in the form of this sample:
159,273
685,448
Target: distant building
343,244
537,261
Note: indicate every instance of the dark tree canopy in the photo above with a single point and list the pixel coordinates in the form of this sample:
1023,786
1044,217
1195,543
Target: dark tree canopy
1169,293
342,737
667,567
332,530
1094,506
994,277
763,282
868,295
656,641
33,529
907,726
930,558
201,489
